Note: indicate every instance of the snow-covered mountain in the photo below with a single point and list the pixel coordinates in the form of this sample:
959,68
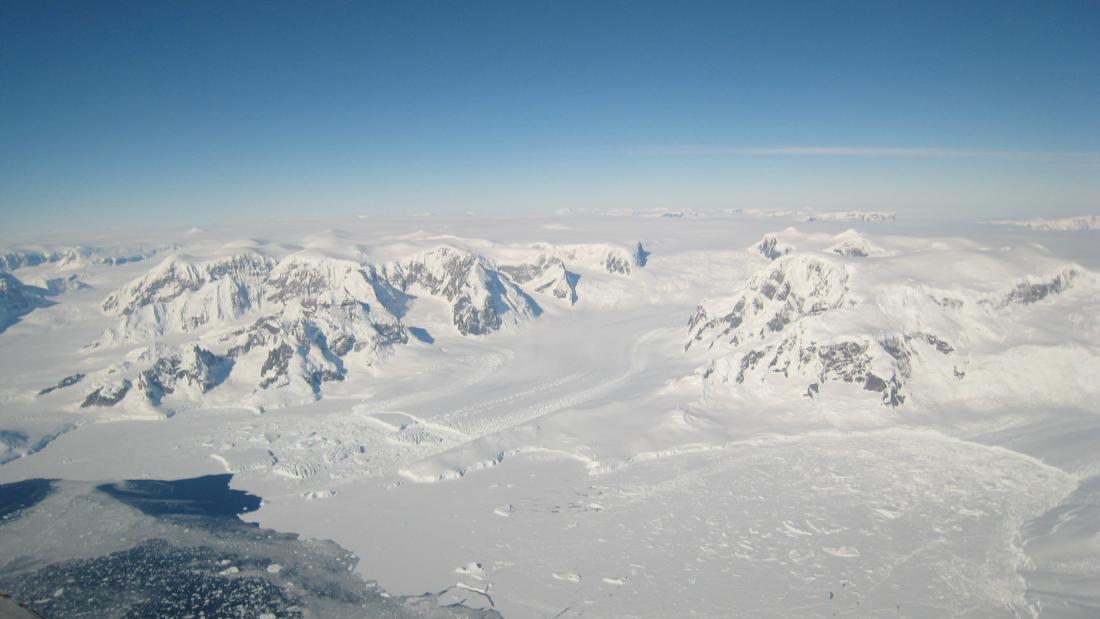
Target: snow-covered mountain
1064,224
850,216
801,215
69,258
182,294
772,248
790,289
273,324
810,215
806,322
853,244
17,299
547,275
18,258
771,323
281,327
482,298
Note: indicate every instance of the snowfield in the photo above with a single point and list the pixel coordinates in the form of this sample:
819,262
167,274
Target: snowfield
742,413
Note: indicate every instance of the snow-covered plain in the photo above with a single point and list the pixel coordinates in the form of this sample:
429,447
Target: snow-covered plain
714,414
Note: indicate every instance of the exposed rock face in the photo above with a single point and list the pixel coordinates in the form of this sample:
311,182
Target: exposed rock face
617,264
941,346
771,248
276,367
195,367
1028,292
108,393
68,381
850,250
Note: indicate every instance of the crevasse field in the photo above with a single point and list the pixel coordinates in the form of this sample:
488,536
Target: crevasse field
660,414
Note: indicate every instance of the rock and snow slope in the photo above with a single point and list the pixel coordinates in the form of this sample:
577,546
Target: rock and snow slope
866,413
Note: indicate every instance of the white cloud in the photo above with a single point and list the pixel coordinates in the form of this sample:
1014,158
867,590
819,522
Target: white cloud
874,151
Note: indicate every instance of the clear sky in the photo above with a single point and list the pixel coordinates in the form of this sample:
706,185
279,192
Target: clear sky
150,112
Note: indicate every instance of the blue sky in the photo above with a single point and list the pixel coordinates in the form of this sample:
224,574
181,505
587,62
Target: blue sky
117,113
